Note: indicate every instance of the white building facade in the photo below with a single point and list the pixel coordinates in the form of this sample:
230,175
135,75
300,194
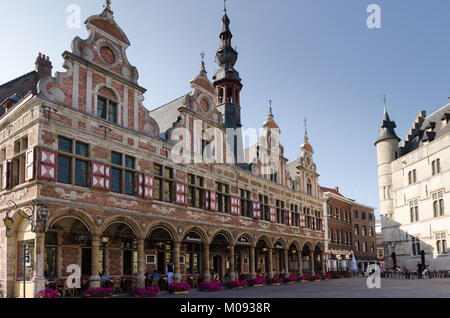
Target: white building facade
414,190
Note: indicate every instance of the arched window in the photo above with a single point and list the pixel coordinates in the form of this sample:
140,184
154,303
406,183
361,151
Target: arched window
220,93
107,106
229,95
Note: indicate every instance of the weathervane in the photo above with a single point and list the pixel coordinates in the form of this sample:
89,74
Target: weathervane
225,5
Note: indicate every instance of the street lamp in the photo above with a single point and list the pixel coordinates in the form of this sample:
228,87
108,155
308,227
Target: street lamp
28,213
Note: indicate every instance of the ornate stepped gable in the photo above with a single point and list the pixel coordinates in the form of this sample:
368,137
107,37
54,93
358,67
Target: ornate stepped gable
99,64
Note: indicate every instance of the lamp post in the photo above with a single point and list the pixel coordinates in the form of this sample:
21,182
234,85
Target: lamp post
28,213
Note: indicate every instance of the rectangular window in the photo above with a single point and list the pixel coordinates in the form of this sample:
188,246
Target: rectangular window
436,167
81,150
265,209
164,185
356,229
64,145
116,180
246,203
64,169
112,112
438,204
441,243
415,246
101,108
81,173
412,177
414,210
223,197
116,159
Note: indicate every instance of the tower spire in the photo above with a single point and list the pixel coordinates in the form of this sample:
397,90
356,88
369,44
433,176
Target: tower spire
387,130
306,130
203,68
107,12
270,117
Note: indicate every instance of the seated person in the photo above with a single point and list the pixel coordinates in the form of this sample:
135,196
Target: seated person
52,277
155,274
106,282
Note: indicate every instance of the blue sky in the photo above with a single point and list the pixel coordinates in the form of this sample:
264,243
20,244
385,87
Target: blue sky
313,58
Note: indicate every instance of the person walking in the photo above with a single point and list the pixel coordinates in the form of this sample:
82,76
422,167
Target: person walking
419,270
170,273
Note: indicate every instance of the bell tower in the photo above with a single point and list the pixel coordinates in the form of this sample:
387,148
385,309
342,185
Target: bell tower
227,81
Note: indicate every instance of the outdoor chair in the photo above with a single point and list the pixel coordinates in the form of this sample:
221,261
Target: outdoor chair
155,281
66,290
117,286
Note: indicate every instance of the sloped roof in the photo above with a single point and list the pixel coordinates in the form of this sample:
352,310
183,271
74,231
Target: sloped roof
334,191
167,114
421,135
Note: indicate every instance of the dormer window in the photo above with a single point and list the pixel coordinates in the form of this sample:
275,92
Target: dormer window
107,109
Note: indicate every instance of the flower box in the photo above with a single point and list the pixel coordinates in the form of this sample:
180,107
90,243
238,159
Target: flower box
210,286
179,288
276,281
49,293
236,284
149,292
182,292
291,280
97,293
257,282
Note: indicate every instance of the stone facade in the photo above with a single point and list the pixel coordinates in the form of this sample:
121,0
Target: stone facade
116,198
414,187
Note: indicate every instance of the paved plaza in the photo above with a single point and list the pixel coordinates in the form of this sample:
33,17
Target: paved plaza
338,288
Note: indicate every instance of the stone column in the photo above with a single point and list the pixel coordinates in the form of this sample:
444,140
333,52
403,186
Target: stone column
177,275
252,262
270,263
94,279
232,272
11,257
286,262
59,258
311,256
322,262
140,278
300,263
39,255
206,273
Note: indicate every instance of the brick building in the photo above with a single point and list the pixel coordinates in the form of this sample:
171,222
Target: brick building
340,245
364,237
121,189
351,230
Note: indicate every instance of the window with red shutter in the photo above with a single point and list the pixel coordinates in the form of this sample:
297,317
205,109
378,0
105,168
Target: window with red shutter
47,164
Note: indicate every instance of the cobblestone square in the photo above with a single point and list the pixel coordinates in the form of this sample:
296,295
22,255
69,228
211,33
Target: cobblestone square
339,288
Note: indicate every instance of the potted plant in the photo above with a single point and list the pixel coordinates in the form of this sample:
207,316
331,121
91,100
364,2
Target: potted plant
98,293
149,292
236,284
291,280
210,286
317,278
276,281
305,278
179,288
257,281
49,293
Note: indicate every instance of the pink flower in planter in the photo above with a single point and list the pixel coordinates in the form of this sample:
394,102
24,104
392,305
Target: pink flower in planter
49,293
176,287
211,286
290,279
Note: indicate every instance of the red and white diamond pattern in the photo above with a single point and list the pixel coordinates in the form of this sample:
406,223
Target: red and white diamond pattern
257,210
